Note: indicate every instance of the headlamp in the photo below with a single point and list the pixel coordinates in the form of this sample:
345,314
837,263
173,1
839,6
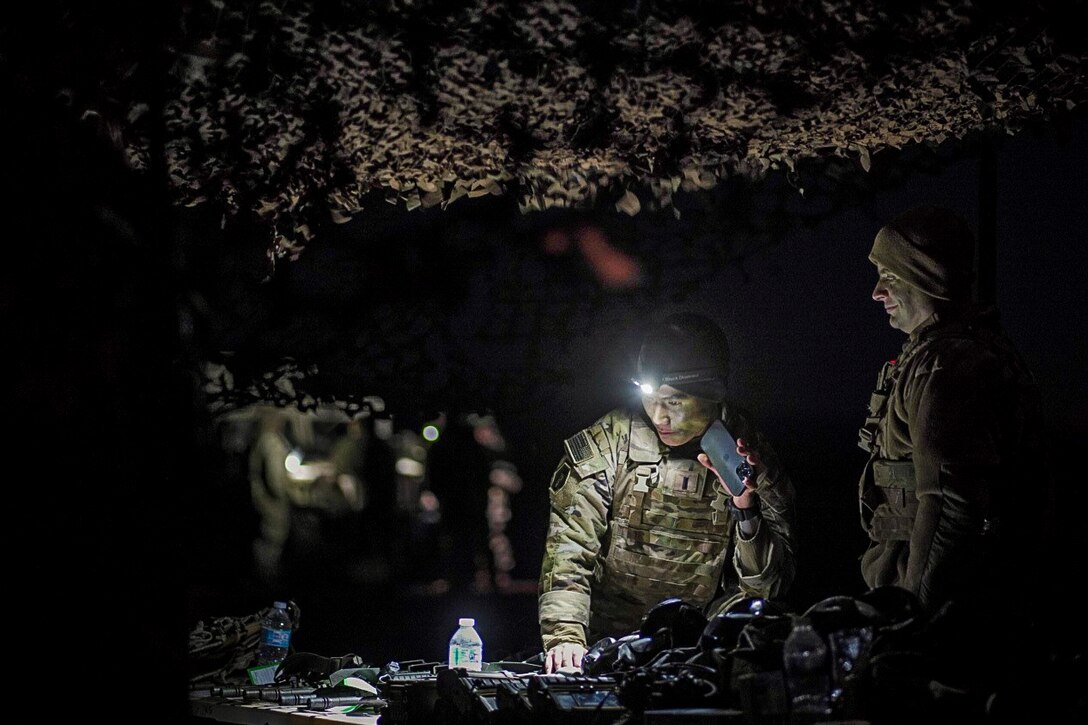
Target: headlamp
649,383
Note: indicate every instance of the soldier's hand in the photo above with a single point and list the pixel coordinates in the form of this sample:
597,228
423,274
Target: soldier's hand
752,458
749,454
565,655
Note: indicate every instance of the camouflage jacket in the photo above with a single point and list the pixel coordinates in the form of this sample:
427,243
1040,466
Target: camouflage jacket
632,523
953,423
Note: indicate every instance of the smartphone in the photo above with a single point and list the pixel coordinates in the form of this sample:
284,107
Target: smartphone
719,445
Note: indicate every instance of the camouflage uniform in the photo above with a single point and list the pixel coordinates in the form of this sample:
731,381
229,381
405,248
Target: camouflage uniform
953,423
632,523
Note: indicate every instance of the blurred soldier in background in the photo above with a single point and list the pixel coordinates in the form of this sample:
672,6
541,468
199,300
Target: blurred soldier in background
473,483
363,471
269,490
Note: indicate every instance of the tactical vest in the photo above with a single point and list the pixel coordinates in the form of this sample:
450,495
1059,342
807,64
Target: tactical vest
886,490
888,504
670,535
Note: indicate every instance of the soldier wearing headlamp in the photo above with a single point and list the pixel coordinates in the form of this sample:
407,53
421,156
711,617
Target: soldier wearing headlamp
639,515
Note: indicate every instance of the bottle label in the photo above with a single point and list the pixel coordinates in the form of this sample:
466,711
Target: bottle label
277,637
466,657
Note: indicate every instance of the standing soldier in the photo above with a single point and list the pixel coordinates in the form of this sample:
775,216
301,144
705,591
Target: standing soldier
636,517
953,437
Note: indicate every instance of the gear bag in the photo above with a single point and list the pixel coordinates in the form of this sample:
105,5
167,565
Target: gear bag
221,649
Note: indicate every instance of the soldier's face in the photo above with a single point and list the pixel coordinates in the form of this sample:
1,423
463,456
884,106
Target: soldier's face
678,417
907,306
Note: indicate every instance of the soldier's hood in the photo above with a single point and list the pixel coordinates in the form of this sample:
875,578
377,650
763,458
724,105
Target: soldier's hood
929,248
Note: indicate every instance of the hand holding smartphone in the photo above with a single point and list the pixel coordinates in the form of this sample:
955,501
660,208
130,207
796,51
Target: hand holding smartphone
719,445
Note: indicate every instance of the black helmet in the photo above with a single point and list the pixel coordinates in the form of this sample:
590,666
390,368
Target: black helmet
687,351
840,612
684,621
894,605
723,630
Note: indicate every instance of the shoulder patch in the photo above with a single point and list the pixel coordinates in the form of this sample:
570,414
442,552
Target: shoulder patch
579,447
560,476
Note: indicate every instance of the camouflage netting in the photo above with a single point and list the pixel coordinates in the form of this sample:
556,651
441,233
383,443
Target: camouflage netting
301,111
278,120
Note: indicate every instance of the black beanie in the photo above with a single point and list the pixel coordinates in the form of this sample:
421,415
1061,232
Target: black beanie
689,352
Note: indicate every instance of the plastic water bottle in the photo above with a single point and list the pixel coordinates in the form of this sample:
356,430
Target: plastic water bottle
275,635
807,665
849,657
466,647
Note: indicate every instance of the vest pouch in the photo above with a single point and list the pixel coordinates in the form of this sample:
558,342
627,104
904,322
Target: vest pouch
891,499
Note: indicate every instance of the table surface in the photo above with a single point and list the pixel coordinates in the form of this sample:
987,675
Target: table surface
251,712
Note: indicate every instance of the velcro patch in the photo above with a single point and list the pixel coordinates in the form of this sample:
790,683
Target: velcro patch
560,476
579,447
686,480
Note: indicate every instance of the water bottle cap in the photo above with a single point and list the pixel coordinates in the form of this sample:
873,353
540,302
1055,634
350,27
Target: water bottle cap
466,622
280,605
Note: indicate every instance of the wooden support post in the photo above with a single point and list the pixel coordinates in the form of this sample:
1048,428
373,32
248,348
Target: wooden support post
986,253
